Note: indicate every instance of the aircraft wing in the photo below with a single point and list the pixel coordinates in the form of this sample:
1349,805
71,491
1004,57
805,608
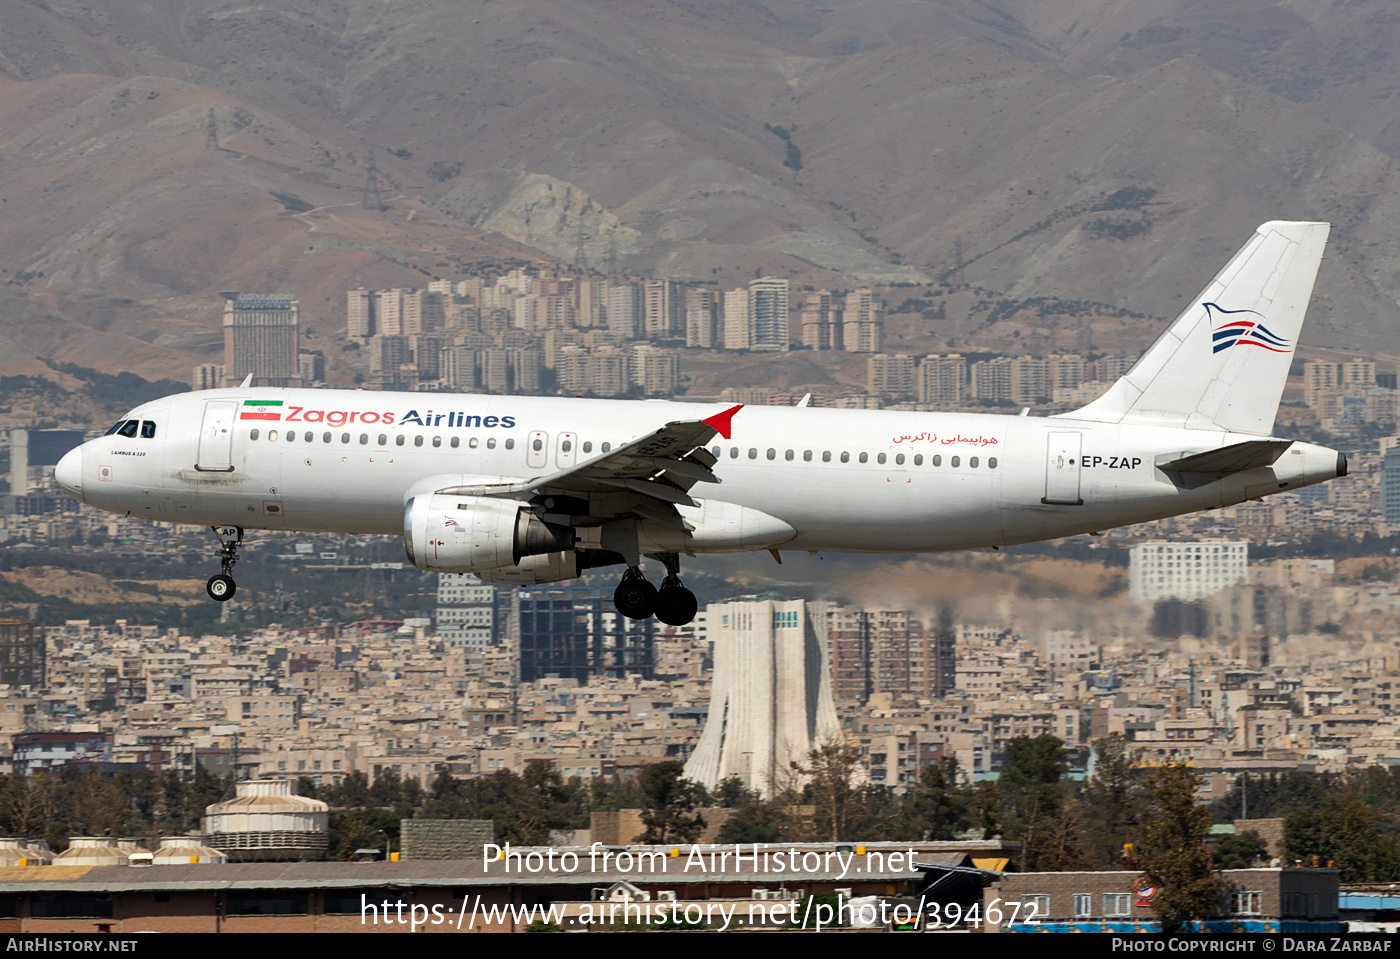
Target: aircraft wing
1230,459
659,469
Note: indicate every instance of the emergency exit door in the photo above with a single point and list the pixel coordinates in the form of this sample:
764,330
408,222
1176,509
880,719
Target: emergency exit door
216,437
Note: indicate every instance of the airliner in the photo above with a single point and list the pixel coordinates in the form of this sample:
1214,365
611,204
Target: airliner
527,490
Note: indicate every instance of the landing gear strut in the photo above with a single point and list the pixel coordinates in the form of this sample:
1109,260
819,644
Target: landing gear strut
222,587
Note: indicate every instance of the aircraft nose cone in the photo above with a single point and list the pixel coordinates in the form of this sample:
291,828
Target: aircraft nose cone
69,473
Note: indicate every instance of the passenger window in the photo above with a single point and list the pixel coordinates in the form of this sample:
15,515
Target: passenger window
899,459
955,461
272,436
845,457
772,454
714,451
510,444
148,430
918,459
607,447
345,437
806,456
972,462
753,453
129,428
325,437
992,463
588,447
418,441
880,458
733,452
937,461
826,456
537,445
456,442
383,440
437,441
291,436
364,439
399,440
253,435
568,446
865,457
491,443
788,456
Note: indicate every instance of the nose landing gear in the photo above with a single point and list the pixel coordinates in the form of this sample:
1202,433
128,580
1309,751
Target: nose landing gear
222,587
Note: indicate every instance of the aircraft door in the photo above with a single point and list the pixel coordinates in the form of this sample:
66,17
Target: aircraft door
1062,469
568,444
216,437
537,450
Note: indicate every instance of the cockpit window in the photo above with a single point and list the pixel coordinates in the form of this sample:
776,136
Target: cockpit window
129,428
115,426
148,430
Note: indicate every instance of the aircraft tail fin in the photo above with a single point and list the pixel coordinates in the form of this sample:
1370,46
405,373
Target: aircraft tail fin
1222,364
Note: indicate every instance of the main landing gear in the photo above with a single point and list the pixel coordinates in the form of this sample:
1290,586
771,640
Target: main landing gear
673,604
222,587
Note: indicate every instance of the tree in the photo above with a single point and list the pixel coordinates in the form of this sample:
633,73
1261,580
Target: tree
833,767
1033,790
937,808
1113,799
669,815
1172,851
1344,829
1241,850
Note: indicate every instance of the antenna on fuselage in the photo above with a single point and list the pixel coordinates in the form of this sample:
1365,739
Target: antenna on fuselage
247,382
805,401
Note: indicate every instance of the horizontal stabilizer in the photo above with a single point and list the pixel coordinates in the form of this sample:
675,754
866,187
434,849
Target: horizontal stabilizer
1230,459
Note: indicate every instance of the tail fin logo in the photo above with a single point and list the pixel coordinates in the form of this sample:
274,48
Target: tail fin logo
1243,332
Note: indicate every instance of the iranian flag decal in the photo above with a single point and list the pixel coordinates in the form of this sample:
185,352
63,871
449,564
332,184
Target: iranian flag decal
261,410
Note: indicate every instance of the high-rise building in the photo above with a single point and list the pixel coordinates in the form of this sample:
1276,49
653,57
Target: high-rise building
662,310
891,375
942,379
624,310
261,337
574,632
466,612
22,653
736,320
890,652
1186,571
388,313
817,321
768,314
700,318
1390,487
207,376
359,311
861,327
991,379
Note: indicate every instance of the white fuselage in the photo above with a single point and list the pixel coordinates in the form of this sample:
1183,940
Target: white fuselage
820,479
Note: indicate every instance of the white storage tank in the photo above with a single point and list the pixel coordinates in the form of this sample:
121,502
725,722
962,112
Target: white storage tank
267,821
183,850
91,851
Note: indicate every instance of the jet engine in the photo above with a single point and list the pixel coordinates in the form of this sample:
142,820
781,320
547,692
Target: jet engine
469,534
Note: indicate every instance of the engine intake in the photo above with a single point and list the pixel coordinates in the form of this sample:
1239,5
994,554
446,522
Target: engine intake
469,534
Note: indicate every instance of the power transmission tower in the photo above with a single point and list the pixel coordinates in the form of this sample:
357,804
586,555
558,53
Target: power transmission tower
372,200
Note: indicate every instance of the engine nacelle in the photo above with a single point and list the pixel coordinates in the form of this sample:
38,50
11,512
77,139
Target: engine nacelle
470,534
